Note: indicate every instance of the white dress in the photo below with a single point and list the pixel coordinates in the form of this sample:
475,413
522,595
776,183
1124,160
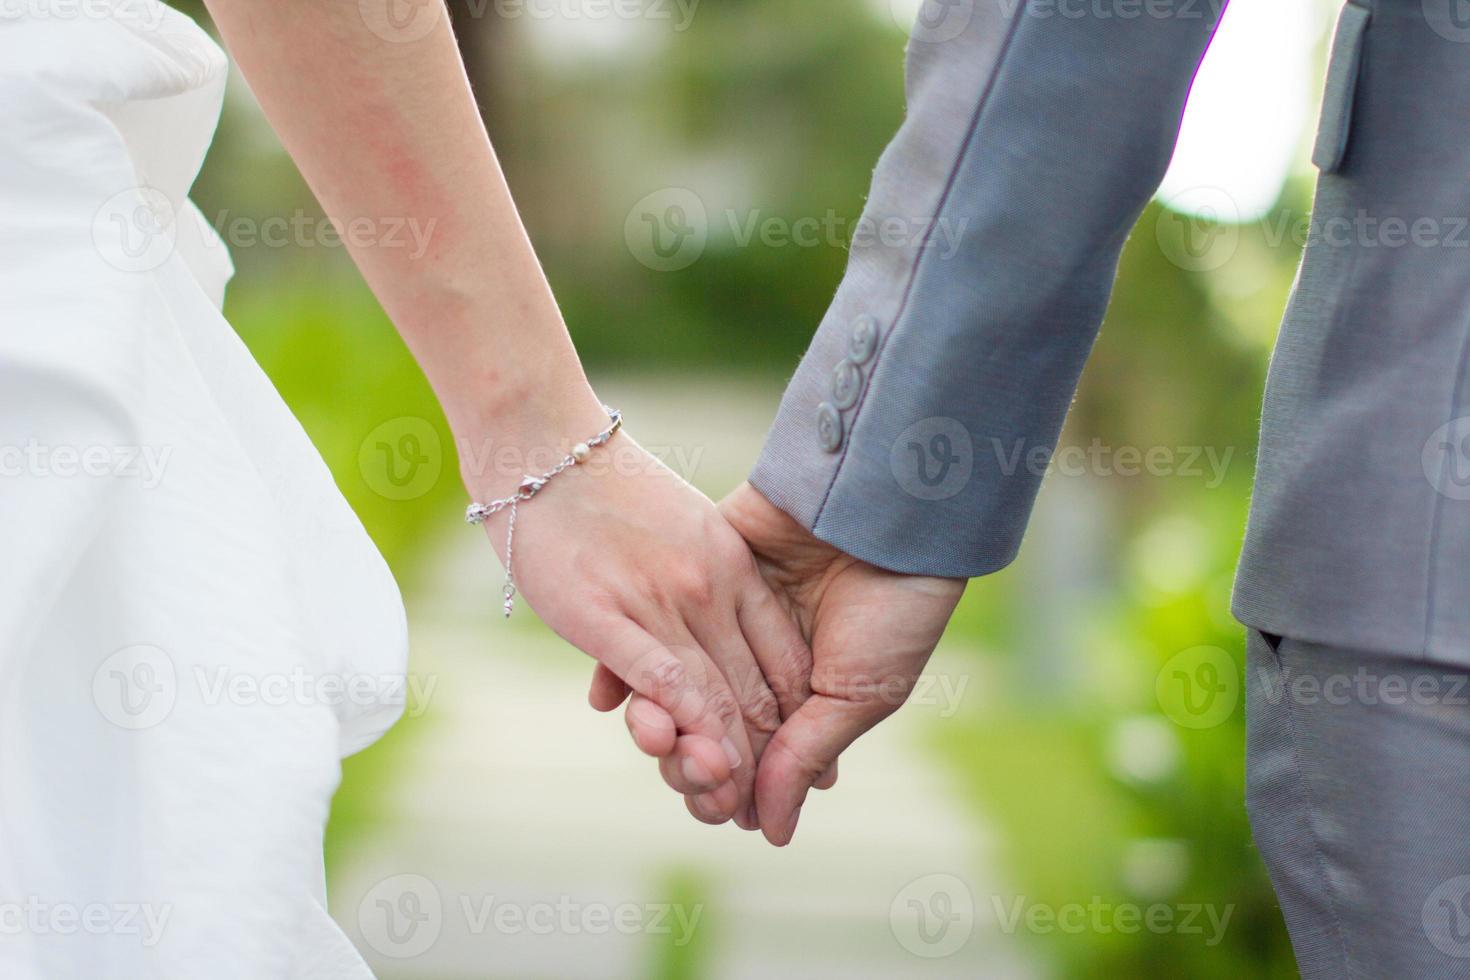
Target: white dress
194,627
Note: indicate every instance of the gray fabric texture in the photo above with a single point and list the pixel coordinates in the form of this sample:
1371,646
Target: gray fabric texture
1033,142
1356,789
1359,532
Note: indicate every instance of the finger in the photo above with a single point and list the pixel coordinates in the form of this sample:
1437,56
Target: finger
607,690
695,766
784,658
650,724
652,728
682,680
827,779
714,695
760,715
714,807
802,751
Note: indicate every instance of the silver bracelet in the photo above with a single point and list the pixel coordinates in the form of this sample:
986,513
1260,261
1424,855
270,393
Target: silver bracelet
478,513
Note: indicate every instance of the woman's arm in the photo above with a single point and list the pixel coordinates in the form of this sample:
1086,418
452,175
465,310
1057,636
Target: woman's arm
389,131
625,561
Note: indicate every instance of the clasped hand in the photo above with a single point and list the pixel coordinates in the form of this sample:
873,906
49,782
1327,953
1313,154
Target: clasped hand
749,653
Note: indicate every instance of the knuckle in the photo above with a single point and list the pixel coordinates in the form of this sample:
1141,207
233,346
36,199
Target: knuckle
744,677
722,706
871,695
809,766
791,673
697,588
665,678
761,711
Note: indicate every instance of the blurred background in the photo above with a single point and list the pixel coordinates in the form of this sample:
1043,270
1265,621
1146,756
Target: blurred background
1064,796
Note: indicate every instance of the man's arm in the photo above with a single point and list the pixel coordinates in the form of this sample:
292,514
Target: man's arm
1035,136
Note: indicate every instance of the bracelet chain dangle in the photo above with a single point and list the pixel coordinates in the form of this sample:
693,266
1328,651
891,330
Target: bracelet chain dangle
478,513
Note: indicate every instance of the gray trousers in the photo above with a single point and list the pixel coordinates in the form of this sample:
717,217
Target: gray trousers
1358,787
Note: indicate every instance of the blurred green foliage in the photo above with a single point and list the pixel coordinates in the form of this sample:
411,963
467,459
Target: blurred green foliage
676,956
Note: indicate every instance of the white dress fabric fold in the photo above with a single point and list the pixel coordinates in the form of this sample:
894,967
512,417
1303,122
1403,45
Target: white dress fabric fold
194,626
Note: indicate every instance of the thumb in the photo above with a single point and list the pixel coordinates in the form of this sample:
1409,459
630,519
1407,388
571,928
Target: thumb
803,749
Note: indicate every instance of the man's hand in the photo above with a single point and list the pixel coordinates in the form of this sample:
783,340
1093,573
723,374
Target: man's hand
871,631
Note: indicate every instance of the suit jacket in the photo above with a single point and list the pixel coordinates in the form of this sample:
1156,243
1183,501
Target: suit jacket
1034,138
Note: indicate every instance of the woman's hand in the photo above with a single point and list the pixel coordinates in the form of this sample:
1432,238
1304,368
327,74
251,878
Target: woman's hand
626,561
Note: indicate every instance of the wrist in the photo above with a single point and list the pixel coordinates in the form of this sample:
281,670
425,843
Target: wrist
524,429
506,374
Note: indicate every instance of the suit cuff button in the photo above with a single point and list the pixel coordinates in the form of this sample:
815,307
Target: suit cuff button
829,428
847,384
863,343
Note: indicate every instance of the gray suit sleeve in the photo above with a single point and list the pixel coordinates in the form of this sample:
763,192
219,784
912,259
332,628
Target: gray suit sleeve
1037,131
